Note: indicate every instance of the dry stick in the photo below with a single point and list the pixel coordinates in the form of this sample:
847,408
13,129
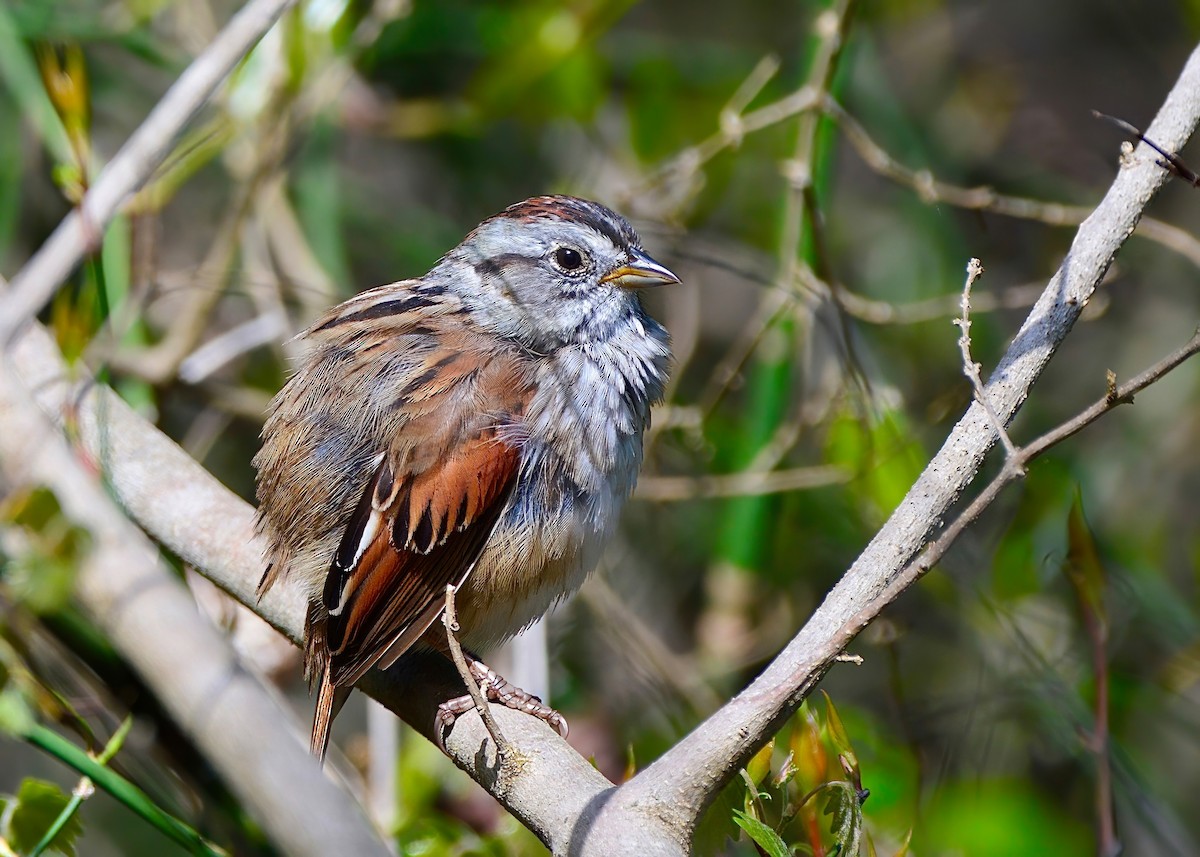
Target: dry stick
970,367
159,363
874,311
81,230
1014,468
689,161
450,621
748,483
931,190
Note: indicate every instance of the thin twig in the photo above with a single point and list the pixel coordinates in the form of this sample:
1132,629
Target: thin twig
1014,468
228,346
748,483
159,363
931,190
684,777
136,161
970,367
1170,161
450,621
874,311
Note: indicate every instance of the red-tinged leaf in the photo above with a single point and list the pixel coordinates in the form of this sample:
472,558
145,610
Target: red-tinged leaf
837,732
808,750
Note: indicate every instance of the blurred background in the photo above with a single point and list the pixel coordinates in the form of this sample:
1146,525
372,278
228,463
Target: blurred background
816,372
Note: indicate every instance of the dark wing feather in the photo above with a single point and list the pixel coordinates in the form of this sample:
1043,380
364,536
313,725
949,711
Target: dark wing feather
409,537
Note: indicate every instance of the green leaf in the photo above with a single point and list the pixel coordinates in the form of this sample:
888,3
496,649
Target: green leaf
38,806
763,836
119,787
19,73
116,741
837,732
16,717
847,823
760,763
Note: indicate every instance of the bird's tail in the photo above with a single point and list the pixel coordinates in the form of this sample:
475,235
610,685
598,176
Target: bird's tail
330,700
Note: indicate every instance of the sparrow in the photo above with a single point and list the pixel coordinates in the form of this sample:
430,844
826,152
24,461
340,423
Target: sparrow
480,426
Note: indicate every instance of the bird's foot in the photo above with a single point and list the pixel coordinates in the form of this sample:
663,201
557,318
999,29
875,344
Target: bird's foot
495,688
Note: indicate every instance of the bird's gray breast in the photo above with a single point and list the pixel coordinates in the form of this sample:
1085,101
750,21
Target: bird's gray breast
581,442
584,426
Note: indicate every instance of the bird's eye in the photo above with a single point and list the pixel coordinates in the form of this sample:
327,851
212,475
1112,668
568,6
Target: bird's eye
568,258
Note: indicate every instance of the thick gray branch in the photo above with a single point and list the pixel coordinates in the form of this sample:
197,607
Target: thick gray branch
685,779
549,787
152,620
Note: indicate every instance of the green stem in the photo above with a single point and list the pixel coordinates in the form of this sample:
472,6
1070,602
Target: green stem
69,810
83,790
96,266
120,788
745,543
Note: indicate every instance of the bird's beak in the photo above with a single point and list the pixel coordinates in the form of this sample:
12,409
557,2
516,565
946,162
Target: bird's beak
640,272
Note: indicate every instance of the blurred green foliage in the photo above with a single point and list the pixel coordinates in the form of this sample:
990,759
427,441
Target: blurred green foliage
30,813
363,139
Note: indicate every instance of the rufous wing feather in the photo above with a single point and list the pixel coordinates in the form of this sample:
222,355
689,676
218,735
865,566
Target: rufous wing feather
409,536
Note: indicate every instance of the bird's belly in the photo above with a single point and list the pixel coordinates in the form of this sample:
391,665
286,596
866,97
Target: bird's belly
528,564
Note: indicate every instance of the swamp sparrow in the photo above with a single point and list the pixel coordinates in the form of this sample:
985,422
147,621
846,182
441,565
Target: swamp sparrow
480,426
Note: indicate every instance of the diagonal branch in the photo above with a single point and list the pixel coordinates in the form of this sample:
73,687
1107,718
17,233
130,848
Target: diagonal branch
183,507
152,620
553,790
684,780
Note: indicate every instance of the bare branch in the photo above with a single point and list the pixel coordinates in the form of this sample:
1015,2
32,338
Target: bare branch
685,779
153,621
1013,469
80,231
450,621
182,506
553,790
932,190
970,367
749,483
